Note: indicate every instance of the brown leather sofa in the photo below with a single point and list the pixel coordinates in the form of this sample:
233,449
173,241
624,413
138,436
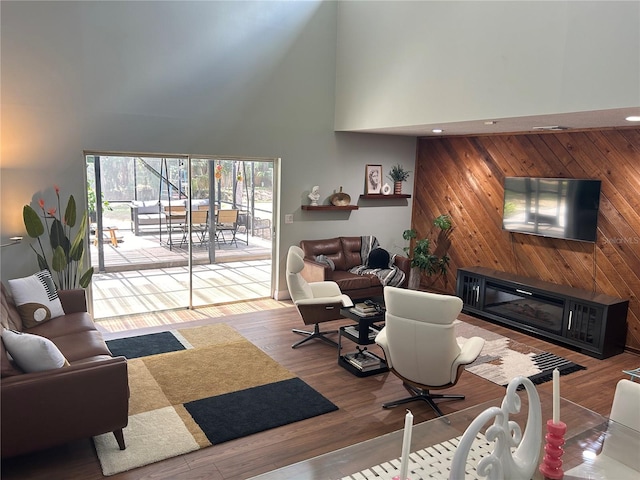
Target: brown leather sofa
345,254
48,408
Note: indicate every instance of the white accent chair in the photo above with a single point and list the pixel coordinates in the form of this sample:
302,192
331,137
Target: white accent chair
316,302
619,458
419,343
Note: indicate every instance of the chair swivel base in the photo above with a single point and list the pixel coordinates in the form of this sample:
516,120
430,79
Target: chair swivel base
425,395
315,334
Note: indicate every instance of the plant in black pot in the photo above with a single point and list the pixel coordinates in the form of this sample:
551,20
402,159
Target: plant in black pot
398,174
427,256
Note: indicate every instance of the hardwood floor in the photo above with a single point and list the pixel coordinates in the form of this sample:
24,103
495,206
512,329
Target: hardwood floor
359,417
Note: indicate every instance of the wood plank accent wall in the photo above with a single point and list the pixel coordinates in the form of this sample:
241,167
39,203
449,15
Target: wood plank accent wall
463,176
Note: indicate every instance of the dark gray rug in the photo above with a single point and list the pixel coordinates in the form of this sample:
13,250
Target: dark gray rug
144,345
238,414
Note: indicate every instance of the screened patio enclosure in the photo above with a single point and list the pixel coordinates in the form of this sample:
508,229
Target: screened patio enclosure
173,212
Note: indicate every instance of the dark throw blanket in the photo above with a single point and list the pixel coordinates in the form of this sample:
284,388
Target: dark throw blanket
392,276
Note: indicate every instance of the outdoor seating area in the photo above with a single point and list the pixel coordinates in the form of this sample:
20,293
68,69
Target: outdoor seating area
150,224
168,218
153,215
226,224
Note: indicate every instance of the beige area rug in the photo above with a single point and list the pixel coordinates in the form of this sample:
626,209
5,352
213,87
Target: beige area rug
502,359
202,394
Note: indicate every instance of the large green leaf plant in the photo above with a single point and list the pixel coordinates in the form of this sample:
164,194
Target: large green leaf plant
66,255
431,263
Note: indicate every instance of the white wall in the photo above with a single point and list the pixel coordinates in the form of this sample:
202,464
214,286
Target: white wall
412,63
216,78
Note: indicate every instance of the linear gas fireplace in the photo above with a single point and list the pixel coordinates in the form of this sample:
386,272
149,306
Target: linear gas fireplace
526,307
593,322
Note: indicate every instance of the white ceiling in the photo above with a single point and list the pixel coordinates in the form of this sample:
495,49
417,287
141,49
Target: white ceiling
614,118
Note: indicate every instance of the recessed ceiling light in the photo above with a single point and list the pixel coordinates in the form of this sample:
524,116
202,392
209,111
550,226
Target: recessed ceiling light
633,118
437,130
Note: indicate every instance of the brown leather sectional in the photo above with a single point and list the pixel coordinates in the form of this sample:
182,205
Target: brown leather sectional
345,254
87,398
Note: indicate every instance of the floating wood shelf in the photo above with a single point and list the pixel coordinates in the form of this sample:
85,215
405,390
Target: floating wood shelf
329,207
380,196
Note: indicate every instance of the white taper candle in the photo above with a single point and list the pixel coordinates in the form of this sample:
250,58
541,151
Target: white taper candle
556,395
406,445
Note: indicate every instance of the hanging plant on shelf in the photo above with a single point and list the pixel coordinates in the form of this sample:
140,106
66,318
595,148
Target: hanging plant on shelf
66,255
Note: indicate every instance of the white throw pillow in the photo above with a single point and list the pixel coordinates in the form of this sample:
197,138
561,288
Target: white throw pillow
36,298
33,353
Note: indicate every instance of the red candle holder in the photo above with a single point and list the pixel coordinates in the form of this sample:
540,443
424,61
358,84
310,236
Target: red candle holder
551,466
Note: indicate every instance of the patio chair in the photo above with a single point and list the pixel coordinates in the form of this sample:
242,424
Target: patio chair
227,222
176,218
199,226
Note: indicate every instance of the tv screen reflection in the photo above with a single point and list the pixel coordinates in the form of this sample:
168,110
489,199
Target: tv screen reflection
552,207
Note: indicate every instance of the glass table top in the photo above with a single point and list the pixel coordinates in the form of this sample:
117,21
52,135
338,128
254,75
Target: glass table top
586,432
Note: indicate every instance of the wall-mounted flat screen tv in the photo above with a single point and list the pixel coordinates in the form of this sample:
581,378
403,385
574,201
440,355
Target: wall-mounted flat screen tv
552,207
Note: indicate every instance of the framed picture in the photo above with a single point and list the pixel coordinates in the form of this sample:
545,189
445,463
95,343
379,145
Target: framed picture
373,179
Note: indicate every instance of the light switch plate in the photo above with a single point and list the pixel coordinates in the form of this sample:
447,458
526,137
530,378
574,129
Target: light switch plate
288,218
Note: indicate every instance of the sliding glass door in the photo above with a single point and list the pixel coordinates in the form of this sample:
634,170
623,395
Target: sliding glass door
162,236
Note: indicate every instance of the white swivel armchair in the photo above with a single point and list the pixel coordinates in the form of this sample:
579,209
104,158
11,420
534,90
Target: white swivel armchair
316,302
419,343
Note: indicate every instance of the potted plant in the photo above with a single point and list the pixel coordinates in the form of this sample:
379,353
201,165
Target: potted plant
398,174
66,255
423,259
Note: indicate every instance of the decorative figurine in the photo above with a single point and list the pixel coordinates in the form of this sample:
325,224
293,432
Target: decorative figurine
314,196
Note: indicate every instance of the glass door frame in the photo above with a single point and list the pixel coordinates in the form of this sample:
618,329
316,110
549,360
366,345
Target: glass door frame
188,164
